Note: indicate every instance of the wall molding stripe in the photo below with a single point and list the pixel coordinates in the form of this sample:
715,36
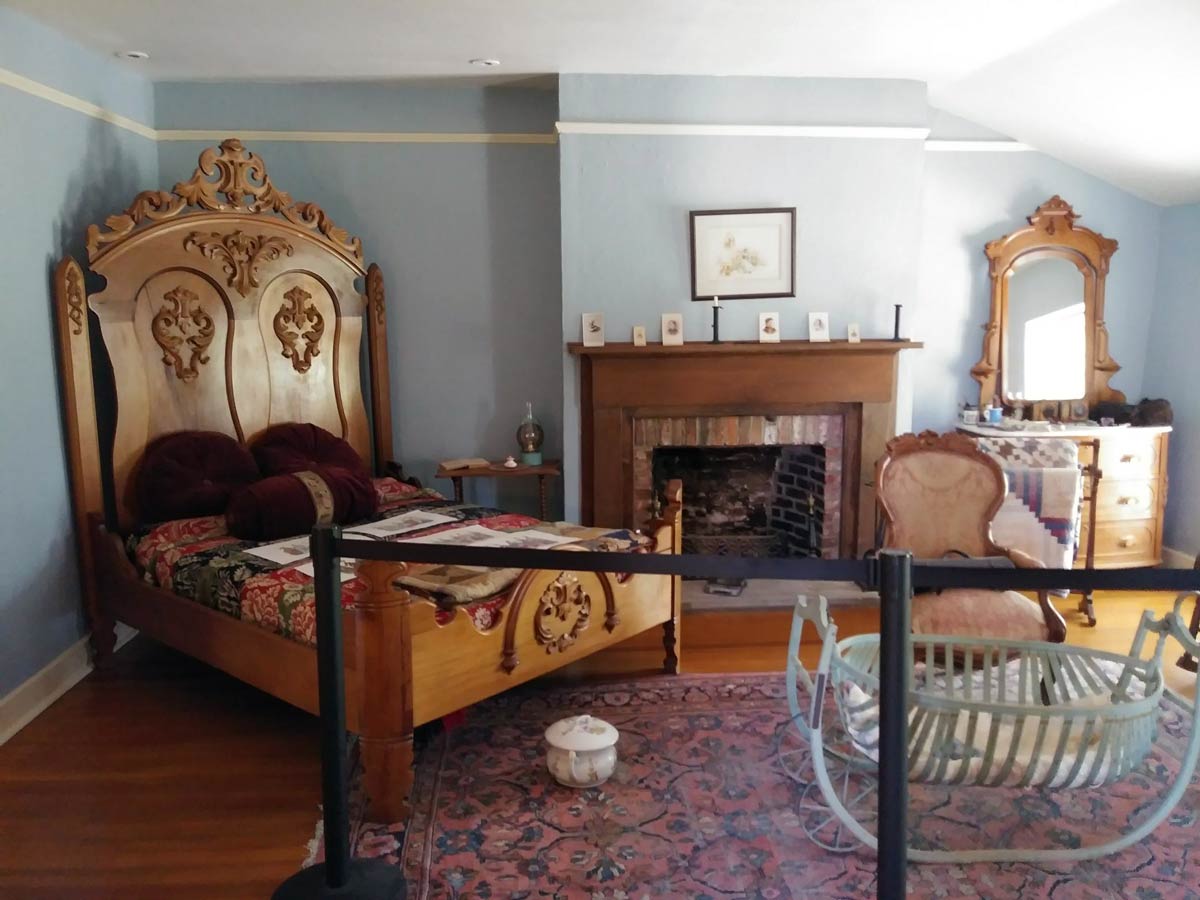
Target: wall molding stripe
361,137
936,145
11,79
31,698
18,82
673,129
61,98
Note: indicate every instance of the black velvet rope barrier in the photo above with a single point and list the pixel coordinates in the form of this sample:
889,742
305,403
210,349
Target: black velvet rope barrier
892,573
927,573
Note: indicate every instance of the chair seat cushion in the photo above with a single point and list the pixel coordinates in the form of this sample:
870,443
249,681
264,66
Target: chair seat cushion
978,612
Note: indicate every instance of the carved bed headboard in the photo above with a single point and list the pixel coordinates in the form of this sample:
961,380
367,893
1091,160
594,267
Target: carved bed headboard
227,307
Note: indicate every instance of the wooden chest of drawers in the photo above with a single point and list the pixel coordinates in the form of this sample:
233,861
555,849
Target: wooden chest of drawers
1130,497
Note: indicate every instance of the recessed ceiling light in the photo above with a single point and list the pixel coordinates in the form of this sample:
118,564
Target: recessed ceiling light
132,54
486,63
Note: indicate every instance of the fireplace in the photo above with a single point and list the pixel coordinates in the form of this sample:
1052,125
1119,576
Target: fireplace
747,501
761,485
838,397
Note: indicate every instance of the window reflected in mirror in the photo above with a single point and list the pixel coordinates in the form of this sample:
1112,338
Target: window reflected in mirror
1045,351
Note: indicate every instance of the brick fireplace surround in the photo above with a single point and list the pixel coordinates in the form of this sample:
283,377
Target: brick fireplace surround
652,432
797,392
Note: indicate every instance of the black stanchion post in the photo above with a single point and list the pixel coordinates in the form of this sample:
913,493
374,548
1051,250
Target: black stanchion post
339,876
895,664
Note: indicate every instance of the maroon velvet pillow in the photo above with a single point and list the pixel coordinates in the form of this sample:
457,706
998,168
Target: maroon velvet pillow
297,447
190,473
287,505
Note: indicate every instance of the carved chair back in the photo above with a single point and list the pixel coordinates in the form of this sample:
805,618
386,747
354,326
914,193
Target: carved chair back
938,495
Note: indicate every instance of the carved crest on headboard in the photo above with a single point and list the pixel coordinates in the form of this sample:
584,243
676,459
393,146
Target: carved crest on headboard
239,254
228,178
297,323
180,327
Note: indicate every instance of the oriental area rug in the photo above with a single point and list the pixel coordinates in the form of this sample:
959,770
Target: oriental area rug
700,807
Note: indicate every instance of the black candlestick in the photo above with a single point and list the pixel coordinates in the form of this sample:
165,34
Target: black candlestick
716,326
896,334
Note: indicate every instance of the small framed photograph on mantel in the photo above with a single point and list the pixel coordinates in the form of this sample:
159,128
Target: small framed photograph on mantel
768,328
743,253
672,329
818,327
593,329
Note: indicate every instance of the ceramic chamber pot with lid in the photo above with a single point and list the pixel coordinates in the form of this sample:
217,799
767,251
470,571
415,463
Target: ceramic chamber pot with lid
582,751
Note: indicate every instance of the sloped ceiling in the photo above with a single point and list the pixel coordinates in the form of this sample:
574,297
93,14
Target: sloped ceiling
1111,87
1117,94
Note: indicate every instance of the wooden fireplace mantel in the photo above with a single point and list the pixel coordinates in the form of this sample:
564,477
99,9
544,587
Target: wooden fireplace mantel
621,382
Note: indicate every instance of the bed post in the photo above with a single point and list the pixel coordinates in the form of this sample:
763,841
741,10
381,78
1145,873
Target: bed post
83,441
385,721
673,517
377,353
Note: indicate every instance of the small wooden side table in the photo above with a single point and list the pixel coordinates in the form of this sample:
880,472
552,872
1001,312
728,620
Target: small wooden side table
550,468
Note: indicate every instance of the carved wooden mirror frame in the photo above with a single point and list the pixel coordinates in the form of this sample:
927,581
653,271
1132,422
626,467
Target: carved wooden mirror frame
1051,232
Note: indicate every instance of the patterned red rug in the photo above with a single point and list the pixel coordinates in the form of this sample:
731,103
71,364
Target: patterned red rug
700,808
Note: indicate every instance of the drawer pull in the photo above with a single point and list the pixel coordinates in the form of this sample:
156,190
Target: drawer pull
1127,541
1127,501
1130,457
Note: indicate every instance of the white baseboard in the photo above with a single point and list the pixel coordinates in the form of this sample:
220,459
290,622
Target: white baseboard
1177,559
29,700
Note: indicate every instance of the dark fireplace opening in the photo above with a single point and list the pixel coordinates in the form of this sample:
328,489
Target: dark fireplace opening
748,501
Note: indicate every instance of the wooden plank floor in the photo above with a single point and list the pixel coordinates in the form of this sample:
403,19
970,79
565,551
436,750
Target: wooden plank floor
162,778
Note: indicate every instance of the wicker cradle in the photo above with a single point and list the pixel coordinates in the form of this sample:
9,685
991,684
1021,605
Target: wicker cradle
1003,713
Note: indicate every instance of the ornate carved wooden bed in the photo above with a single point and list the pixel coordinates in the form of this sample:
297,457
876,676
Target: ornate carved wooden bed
230,307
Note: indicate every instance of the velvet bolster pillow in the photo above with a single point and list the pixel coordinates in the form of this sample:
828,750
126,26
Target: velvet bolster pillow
301,446
187,474
287,505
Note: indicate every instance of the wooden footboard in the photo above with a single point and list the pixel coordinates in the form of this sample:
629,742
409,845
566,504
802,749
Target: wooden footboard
554,618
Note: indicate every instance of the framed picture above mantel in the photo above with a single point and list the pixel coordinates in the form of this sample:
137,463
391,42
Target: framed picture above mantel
743,253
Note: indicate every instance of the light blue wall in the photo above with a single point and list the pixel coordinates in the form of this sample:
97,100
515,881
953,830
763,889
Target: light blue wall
1171,370
879,222
970,198
60,171
625,204
742,101
466,234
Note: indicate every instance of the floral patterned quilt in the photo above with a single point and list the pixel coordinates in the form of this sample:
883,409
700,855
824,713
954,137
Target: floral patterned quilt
200,560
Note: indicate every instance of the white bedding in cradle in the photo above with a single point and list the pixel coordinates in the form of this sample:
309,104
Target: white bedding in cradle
863,728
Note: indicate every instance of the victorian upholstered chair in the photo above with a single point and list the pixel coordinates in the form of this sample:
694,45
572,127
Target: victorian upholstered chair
937,497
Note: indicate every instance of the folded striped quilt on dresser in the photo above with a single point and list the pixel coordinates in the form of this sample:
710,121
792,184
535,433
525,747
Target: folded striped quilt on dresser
1041,510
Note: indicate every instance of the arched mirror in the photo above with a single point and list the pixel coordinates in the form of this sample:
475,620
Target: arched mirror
1045,341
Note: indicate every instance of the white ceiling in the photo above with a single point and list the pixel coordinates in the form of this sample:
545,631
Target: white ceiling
1111,86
